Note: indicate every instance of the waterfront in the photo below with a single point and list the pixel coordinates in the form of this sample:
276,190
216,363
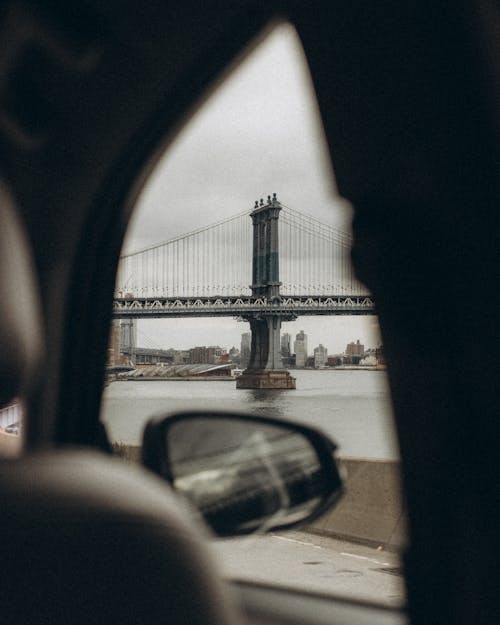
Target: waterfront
352,406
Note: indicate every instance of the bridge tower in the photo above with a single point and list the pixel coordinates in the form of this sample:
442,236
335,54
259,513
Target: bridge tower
265,368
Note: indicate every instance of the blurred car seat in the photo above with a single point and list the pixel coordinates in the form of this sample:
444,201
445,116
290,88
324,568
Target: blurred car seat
20,324
85,538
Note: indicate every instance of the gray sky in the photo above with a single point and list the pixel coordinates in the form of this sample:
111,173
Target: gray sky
257,134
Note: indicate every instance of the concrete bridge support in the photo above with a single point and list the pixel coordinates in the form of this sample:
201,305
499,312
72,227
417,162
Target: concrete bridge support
265,368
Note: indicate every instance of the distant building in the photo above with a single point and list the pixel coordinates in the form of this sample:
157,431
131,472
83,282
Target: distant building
128,338
287,356
198,355
300,349
320,356
379,354
206,355
334,361
246,344
217,355
234,355
355,349
181,357
115,356
148,356
286,345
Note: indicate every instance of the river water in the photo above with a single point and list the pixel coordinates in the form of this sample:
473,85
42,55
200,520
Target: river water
352,406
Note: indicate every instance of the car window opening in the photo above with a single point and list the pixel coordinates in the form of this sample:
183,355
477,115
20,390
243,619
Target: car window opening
235,292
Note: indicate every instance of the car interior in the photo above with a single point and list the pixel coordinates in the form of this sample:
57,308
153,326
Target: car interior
91,94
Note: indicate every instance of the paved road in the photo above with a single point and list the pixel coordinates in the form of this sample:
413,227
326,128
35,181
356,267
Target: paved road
315,563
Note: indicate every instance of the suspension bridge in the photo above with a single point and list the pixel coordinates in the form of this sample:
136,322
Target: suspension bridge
208,272
288,264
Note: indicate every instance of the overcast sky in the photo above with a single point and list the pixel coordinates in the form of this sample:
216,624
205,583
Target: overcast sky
258,133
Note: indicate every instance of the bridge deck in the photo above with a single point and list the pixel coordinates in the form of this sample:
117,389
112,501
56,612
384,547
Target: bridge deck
223,306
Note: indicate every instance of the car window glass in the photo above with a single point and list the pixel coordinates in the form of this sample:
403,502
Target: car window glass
180,341
11,417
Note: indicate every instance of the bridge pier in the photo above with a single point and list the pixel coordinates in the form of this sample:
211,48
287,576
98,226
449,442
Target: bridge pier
265,368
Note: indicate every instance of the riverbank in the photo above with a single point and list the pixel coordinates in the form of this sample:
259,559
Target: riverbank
164,374
207,378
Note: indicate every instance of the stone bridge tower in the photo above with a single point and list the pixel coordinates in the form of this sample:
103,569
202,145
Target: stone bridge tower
265,368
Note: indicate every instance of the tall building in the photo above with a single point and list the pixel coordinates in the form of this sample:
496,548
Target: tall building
320,356
300,349
355,349
128,338
198,355
246,344
114,356
286,345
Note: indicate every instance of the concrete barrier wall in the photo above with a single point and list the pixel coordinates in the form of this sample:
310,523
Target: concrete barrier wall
371,510
10,445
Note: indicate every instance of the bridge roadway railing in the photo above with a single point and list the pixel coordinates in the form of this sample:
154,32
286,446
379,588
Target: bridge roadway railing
289,305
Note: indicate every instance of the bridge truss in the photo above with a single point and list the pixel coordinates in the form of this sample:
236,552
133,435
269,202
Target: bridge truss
289,306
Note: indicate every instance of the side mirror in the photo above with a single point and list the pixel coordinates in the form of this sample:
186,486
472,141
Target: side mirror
244,472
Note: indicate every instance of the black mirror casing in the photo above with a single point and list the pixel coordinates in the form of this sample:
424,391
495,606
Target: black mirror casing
242,472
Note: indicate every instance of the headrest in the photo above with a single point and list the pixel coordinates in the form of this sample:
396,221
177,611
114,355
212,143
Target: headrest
20,315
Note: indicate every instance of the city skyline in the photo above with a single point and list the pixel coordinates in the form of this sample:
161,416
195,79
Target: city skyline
333,332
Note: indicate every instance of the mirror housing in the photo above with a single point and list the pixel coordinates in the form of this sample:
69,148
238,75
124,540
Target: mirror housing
244,473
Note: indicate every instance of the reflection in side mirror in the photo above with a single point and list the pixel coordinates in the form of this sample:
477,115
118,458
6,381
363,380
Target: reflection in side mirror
242,472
